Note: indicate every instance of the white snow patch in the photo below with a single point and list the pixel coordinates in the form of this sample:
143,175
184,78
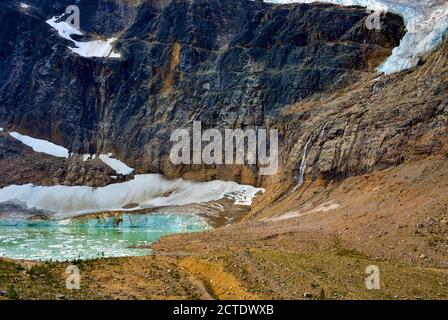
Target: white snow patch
64,29
324,207
50,148
87,157
39,145
95,48
24,5
245,199
426,23
117,165
148,190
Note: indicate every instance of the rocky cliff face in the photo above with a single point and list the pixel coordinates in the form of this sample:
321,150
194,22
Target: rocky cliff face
377,123
21,165
229,64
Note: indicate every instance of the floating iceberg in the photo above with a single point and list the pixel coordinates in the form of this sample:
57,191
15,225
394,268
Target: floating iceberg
93,238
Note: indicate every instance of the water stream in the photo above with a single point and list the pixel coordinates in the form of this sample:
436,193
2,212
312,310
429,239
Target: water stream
306,149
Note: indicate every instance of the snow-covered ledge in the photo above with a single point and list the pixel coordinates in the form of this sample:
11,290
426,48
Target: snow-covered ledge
95,48
42,146
47,147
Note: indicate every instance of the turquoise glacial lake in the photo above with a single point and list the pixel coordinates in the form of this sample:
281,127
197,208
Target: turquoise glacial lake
75,239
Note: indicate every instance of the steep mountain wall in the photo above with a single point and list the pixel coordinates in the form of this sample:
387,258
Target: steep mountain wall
229,64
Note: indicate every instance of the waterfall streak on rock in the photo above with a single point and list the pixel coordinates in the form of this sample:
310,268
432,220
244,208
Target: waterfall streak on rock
306,149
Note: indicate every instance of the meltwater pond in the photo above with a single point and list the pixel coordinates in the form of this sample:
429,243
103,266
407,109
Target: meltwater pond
72,239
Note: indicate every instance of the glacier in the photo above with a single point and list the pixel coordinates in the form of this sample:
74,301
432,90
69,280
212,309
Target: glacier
144,191
426,23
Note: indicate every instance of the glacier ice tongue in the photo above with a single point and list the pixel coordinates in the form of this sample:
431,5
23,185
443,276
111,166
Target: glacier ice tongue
146,190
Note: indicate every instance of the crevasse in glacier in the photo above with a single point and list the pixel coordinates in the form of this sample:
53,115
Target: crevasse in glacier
426,23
